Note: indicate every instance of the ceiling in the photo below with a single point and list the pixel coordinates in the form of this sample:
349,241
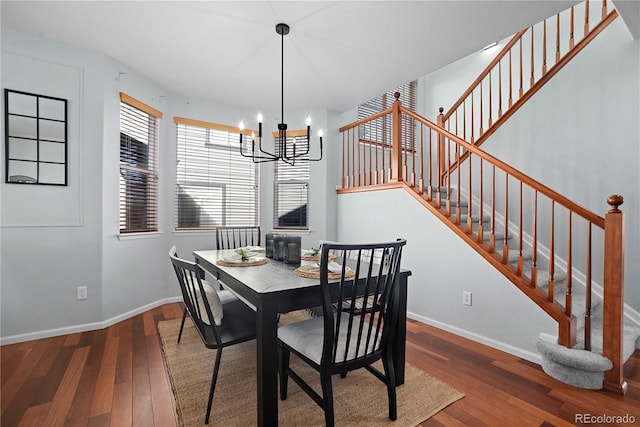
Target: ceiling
337,55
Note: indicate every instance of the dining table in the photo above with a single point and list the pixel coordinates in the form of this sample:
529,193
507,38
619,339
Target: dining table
273,288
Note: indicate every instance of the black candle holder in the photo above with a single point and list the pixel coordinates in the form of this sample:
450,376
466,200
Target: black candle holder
285,248
292,250
269,245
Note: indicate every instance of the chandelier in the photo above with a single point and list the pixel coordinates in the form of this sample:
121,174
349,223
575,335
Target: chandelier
286,152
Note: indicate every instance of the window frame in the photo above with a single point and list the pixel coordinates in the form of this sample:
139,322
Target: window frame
150,172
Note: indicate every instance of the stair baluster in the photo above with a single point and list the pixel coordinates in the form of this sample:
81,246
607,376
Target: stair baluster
536,37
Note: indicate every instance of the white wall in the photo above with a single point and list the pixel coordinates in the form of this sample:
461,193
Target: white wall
579,135
132,266
51,235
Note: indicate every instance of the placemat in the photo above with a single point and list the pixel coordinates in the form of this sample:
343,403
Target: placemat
250,263
316,257
313,272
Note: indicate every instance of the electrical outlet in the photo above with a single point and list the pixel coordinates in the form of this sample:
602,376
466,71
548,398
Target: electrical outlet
466,297
81,292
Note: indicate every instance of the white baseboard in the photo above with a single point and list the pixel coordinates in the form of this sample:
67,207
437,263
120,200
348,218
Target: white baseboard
12,339
632,315
507,348
549,338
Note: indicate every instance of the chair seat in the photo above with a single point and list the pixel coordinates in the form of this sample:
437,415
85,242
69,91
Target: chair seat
306,337
239,325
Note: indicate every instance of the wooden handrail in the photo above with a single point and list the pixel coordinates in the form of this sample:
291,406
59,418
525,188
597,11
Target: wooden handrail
366,119
541,188
523,95
506,49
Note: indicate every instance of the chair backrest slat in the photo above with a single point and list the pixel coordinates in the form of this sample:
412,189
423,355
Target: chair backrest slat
236,237
195,298
359,307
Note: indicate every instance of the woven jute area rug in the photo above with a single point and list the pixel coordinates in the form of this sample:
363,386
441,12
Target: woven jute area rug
359,399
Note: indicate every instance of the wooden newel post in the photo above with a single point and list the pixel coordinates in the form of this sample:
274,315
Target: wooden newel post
614,295
396,151
441,160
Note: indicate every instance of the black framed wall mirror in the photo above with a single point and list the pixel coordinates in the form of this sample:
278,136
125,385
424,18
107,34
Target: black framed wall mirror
35,138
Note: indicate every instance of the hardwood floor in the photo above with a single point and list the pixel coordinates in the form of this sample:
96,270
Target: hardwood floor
116,377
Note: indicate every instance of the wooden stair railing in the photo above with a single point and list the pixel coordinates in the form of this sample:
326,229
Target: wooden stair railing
518,71
516,223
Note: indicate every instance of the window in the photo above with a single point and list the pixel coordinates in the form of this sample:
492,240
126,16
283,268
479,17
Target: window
138,166
215,185
381,131
291,187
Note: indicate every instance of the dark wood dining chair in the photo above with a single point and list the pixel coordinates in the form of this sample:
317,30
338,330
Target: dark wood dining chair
360,313
219,324
237,237
223,295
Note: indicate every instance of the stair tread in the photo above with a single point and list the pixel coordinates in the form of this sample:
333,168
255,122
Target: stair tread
515,253
542,278
463,203
578,302
486,235
630,333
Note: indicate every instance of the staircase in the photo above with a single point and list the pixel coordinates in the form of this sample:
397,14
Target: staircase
581,365
565,258
526,63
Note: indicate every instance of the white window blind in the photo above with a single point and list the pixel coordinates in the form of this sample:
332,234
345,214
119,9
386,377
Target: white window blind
384,101
139,126
381,131
215,185
291,186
